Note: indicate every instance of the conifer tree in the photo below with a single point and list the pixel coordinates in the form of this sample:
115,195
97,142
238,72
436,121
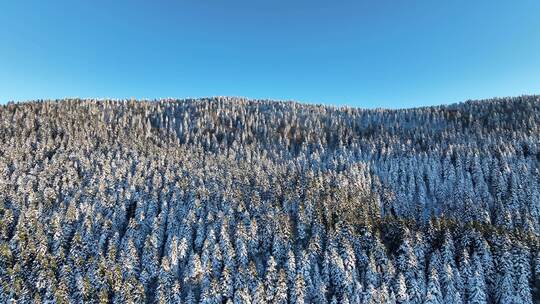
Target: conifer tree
433,295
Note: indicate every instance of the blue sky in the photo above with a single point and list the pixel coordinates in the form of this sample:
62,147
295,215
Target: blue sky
358,53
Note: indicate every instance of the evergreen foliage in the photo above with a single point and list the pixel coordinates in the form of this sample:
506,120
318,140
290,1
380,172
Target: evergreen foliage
228,200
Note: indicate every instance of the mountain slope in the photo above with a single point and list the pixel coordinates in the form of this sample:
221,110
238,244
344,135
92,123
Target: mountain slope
222,199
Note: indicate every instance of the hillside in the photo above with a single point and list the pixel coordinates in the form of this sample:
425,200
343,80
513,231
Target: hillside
228,200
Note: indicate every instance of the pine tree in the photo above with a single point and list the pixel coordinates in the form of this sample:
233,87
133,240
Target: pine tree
281,290
476,289
523,275
451,294
505,286
299,289
433,295
401,290
259,296
271,279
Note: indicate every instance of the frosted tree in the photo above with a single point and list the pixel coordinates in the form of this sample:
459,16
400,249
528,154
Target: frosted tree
401,290
523,275
281,290
451,294
271,279
505,285
433,294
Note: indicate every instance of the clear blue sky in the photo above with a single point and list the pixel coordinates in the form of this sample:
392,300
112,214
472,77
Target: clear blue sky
359,53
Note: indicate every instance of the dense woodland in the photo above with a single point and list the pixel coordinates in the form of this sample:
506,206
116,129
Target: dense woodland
229,200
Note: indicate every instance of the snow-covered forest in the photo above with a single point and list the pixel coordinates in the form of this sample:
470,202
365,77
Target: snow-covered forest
229,200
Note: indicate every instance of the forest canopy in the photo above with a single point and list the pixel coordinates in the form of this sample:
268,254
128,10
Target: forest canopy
230,200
